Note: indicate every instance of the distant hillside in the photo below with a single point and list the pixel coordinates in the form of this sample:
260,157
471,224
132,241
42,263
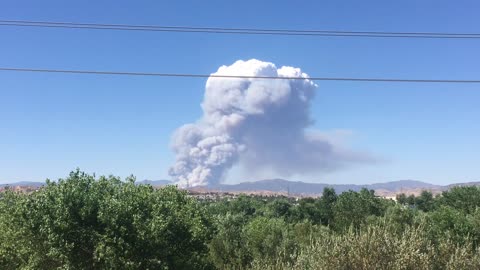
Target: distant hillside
402,184
464,184
24,184
281,185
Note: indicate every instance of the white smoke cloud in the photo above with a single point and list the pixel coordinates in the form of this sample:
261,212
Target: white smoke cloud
260,122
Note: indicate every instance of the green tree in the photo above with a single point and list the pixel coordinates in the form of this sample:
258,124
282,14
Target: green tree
466,199
84,223
411,200
228,248
425,201
452,224
246,205
402,199
307,209
353,208
326,204
269,239
279,208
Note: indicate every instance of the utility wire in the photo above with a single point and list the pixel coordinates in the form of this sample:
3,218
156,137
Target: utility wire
241,31
187,75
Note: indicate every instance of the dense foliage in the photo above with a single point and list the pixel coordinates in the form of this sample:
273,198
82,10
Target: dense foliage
87,223
83,223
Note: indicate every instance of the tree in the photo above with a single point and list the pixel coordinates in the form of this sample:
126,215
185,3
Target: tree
453,224
425,201
401,198
85,223
352,208
279,208
326,204
307,209
466,199
411,200
268,238
245,205
228,248
399,218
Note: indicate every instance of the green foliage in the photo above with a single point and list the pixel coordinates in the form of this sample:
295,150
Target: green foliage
267,237
466,199
87,223
449,223
353,208
325,206
402,199
228,248
411,200
367,232
307,209
84,223
425,201
377,247
279,208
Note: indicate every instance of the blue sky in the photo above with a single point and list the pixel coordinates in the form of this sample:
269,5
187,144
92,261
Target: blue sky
53,123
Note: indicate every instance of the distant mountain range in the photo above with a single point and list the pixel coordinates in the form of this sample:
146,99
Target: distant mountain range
24,184
297,187
281,186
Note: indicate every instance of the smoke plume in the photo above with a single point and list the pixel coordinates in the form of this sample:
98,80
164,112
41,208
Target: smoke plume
261,123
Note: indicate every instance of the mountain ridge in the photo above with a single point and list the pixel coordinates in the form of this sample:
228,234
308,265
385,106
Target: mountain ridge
24,183
299,187
282,186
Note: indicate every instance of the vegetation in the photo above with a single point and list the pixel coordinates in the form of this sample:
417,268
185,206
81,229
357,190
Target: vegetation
105,223
83,223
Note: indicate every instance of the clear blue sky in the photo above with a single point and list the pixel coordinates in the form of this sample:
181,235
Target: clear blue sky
53,123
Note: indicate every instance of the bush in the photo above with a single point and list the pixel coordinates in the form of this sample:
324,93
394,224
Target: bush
377,247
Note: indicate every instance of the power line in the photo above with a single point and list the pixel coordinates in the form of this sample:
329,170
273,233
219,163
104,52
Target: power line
241,31
188,75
